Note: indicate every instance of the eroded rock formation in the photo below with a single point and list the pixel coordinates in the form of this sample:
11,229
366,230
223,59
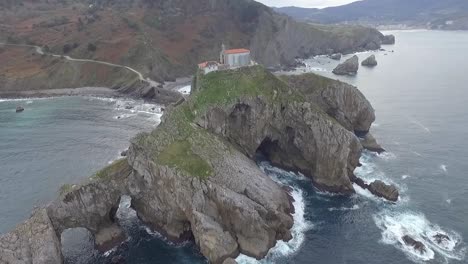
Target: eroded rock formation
370,61
388,40
349,67
194,175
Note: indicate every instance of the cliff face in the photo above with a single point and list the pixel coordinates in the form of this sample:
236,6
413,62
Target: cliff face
194,175
344,102
165,39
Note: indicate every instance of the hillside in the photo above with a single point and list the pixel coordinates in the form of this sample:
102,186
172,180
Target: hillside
433,14
166,39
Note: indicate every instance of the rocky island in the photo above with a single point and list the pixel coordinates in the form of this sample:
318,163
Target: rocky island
349,67
195,177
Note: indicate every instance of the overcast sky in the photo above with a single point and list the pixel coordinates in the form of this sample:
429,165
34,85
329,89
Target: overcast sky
305,3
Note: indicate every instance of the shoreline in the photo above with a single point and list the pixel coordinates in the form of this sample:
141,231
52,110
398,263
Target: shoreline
83,91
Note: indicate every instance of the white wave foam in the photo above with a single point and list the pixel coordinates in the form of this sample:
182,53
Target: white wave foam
386,155
317,69
185,90
300,226
108,252
395,225
284,249
449,201
354,207
27,99
363,192
443,167
404,177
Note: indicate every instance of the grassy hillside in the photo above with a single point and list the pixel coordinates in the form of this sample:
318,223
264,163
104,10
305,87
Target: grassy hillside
165,39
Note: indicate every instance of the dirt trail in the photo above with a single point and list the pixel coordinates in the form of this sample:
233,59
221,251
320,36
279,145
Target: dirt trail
40,51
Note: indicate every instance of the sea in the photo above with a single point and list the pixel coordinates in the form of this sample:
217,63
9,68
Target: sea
419,91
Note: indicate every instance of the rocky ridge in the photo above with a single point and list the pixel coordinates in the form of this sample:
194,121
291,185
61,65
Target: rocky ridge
194,175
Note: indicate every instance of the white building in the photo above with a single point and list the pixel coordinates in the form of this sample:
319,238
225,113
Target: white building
234,58
208,66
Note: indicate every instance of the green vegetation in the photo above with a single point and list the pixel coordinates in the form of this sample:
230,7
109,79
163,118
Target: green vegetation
180,143
153,21
131,24
92,47
117,167
226,87
307,83
66,188
179,154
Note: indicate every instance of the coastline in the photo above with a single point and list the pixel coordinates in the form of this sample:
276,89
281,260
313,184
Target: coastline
90,91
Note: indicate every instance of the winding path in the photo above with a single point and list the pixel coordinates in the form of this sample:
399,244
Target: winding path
40,51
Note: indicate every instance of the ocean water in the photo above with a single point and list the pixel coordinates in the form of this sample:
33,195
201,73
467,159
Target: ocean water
419,92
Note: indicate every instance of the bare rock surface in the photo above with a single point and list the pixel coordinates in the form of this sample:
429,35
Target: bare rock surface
417,245
369,61
388,40
370,143
349,67
387,191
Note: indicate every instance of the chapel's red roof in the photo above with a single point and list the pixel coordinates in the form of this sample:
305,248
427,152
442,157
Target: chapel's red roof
236,51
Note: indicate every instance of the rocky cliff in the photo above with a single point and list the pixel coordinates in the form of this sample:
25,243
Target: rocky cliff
194,175
165,39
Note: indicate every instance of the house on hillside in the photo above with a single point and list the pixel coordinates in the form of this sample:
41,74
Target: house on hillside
235,57
208,66
228,59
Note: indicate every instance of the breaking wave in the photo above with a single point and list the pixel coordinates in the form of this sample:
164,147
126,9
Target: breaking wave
186,90
300,226
396,221
443,167
128,108
395,225
354,207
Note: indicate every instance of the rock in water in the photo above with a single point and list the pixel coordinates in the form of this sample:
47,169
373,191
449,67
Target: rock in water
388,40
19,109
370,143
124,153
336,56
370,61
380,189
417,245
349,67
441,238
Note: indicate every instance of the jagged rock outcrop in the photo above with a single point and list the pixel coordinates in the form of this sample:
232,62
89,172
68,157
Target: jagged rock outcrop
417,245
349,67
342,101
388,40
290,130
33,241
19,109
370,143
370,61
381,189
194,175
